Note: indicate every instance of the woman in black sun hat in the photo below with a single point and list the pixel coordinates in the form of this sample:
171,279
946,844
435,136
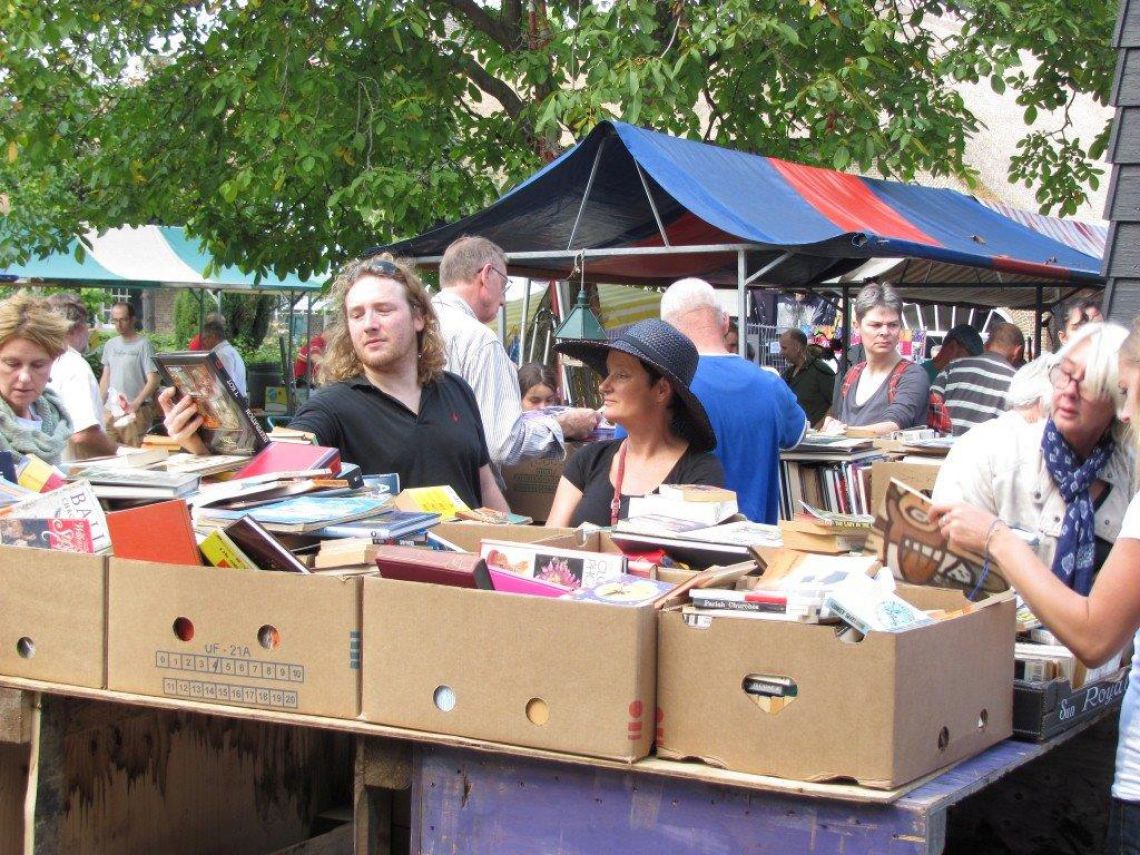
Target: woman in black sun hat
646,373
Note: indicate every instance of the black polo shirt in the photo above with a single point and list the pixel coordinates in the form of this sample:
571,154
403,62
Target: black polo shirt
443,444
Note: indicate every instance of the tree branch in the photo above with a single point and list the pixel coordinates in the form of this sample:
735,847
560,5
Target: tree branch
497,29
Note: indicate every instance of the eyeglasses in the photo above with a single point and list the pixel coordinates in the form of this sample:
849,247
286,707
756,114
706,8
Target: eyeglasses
1060,377
384,267
506,278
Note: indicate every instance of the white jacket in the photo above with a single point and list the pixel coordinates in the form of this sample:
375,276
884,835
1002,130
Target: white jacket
998,466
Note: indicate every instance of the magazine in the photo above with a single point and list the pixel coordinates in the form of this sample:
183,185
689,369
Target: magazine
228,427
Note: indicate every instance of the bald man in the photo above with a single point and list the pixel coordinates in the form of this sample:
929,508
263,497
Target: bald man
975,387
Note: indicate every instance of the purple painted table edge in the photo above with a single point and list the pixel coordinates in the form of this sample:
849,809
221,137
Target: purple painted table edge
467,801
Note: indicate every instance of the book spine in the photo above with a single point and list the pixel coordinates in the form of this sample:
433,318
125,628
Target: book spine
222,554
739,605
846,615
262,439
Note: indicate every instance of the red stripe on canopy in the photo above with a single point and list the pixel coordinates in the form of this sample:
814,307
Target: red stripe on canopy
848,202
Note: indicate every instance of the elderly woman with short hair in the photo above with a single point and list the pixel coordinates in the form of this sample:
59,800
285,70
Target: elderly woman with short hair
1066,479
885,393
33,419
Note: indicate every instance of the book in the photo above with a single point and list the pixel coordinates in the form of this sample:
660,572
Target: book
267,552
8,461
743,533
626,591
410,564
809,537
696,493
278,457
568,568
219,550
285,434
125,458
300,514
228,427
489,516
60,535
830,518
442,500
388,526
75,500
160,532
202,464
913,547
780,602
140,483
38,475
868,605
656,525
655,504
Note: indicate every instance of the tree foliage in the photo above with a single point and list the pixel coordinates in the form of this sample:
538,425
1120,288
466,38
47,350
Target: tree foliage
291,134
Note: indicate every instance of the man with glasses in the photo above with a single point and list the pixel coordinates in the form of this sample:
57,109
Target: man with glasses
129,369
473,280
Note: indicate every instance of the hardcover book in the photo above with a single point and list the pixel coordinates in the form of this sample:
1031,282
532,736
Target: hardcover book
140,483
220,551
410,564
73,501
260,545
290,457
228,427
60,535
159,532
302,514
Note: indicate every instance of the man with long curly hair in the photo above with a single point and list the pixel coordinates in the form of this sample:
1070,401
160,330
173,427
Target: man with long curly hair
387,403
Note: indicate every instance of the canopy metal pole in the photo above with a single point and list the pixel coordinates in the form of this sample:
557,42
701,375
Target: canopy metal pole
502,324
741,304
1037,322
846,341
523,321
586,195
652,204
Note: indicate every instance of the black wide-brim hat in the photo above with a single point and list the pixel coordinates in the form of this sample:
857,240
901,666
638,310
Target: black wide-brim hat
664,347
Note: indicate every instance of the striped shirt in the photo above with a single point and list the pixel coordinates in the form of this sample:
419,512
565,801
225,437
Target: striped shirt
476,355
974,389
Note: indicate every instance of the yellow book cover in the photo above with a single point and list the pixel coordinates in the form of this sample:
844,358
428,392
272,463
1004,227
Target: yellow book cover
441,500
220,551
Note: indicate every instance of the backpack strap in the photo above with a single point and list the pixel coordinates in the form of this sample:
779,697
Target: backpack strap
851,378
894,380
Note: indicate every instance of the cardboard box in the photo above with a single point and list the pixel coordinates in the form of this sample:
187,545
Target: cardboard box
1042,710
468,535
884,711
920,475
531,484
532,671
278,641
52,623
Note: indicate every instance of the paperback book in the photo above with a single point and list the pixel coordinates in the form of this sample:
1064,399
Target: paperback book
567,568
140,483
228,426
301,514
75,500
57,534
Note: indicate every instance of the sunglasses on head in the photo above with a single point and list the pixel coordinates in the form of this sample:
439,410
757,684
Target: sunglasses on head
385,267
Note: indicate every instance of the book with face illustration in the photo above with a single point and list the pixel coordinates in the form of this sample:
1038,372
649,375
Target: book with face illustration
915,550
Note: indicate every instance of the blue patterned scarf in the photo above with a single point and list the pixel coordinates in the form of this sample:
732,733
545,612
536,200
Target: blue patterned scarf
1076,545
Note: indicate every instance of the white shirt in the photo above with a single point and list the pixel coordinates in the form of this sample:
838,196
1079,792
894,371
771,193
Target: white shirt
235,367
478,357
998,466
74,381
1126,785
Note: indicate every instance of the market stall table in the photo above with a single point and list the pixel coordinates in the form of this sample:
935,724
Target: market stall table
473,796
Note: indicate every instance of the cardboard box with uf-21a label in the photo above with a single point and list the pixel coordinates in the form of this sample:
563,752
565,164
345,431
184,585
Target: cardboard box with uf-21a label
278,641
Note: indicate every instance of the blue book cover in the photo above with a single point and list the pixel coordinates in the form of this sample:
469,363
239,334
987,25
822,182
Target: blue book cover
388,526
305,513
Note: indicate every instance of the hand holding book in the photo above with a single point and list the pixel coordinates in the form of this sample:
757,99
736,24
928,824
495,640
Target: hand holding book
182,420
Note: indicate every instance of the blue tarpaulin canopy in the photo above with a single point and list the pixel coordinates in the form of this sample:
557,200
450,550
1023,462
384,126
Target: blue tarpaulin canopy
634,205
139,256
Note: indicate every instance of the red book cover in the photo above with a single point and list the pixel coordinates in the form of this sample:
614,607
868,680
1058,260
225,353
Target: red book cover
159,532
290,457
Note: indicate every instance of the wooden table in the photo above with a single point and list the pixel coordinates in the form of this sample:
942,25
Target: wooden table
131,773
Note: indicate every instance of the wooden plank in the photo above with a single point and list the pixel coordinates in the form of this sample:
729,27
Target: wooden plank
650,766
467,802
13,785
1127,33
1122,300
14,717
1124,194
1123,254
117,779
1126,84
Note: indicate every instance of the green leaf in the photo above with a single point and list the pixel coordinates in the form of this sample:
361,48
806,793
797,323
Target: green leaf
841,158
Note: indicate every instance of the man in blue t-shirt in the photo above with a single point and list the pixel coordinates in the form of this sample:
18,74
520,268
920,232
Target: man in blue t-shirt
753,412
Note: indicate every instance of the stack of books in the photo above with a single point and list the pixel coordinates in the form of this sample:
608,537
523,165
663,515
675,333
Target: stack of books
830,473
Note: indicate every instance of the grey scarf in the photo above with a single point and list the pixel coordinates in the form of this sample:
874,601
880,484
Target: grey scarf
48,442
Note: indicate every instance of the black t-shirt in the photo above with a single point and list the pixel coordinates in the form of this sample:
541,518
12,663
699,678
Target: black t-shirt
589,471
443,444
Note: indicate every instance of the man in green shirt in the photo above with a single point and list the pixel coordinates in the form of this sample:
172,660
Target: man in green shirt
810,378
